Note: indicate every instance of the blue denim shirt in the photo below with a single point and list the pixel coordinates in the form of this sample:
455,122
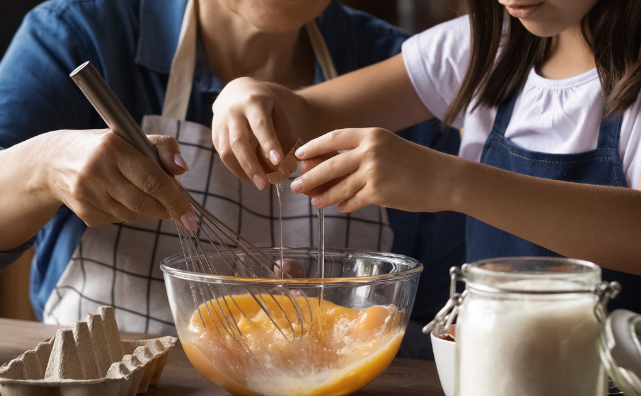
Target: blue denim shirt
131,43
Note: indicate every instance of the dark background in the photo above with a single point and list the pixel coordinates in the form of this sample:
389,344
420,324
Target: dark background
11,14
413,15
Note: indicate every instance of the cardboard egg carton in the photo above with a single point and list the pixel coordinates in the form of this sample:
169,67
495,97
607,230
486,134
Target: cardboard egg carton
89,359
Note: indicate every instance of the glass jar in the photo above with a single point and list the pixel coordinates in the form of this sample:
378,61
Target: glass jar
528,326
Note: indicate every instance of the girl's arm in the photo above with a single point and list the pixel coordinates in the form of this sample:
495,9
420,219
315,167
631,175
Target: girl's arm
596,223
248,113
95,173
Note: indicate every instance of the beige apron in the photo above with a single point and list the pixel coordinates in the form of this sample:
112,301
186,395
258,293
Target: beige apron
118,264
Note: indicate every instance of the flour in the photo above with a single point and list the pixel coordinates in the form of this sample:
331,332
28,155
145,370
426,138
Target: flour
509,344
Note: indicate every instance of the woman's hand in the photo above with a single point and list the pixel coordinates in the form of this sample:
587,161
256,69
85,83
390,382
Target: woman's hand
379,168
95,173
248,128
104,179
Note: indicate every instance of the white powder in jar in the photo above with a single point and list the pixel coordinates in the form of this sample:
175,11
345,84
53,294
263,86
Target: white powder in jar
528,345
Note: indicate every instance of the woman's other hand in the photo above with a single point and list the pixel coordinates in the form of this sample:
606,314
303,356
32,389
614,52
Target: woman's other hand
104,179
377,167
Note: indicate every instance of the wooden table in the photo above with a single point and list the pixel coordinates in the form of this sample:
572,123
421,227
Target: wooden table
405,377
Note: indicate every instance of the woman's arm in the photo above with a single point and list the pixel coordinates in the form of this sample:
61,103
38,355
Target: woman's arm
97,174
596,223
26,205
248,113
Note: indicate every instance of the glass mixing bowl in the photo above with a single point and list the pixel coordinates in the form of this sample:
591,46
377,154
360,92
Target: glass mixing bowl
327,336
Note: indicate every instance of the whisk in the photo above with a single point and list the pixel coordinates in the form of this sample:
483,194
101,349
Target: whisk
225,241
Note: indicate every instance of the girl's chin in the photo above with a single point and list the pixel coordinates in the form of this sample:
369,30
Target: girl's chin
541,29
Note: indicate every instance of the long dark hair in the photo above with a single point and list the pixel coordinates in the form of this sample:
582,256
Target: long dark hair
614,24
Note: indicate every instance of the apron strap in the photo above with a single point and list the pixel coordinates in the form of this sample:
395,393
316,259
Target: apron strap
504,113
609,132
181,74
320,50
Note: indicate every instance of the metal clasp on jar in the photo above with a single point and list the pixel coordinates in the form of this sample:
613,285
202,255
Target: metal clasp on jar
605,292
445,317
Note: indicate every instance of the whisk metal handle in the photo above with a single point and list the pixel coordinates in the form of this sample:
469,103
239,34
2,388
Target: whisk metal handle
112,111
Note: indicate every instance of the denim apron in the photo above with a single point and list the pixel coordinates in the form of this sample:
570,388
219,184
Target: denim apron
601,166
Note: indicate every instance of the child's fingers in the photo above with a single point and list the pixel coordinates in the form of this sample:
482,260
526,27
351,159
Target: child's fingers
287,143
260,121
307,165
342,191
356,201
330,169
338,140
245,154
229,159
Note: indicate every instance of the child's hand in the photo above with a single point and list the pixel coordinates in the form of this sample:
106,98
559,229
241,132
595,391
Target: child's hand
379,168
247,115
309,164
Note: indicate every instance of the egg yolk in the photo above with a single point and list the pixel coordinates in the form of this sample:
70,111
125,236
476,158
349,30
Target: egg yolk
309,347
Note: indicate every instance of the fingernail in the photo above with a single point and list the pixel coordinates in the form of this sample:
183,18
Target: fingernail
275,156
180,161
317,201
297,186
190,221
300,152
259,181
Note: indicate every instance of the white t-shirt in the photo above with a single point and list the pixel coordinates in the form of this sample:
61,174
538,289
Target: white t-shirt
552,116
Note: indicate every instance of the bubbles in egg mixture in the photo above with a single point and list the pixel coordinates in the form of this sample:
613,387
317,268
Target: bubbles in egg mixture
347,351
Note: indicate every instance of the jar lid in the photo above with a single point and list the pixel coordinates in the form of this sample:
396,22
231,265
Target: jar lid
620,349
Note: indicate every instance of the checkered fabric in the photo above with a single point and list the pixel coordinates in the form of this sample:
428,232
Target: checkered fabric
118,264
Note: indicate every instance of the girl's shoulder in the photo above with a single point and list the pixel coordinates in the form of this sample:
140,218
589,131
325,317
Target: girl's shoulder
436,60
459,26
443,47
453,34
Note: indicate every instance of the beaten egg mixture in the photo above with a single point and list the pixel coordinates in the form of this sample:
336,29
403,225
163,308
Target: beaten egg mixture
336,353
